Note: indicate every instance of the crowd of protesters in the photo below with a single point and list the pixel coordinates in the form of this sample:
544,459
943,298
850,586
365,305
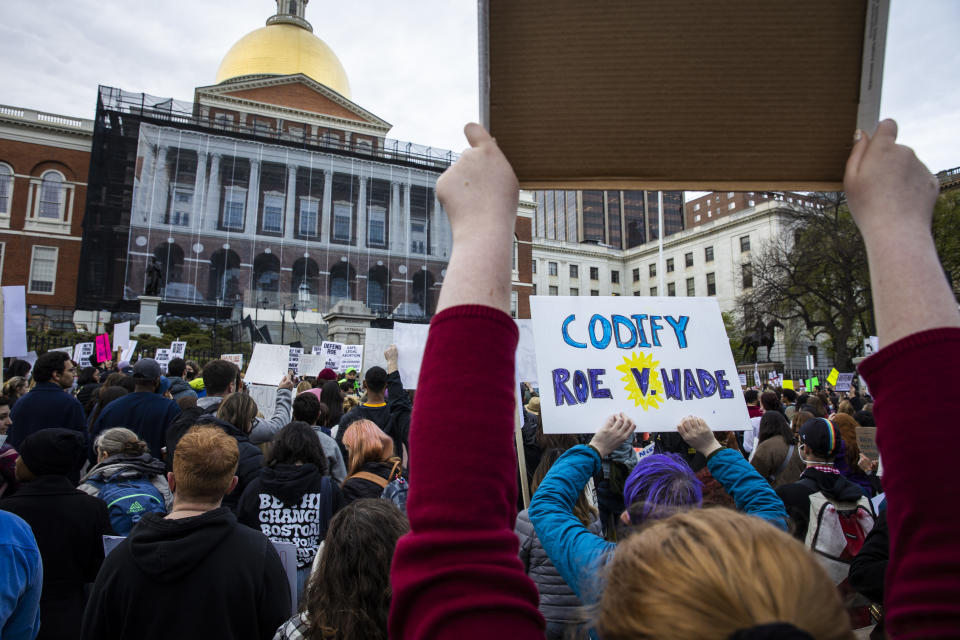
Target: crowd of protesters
403,515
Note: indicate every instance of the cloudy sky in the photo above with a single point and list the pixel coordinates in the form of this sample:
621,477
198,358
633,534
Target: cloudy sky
412,63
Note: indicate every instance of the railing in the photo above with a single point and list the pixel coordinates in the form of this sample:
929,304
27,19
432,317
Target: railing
50,118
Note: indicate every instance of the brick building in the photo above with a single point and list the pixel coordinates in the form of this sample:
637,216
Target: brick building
44,160
718,204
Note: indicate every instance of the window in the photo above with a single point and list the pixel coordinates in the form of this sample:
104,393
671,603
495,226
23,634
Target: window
516,254
636,293
6,189
514,304
224,120
711,284
708,254
43,269
653,269
574,291
364,146
729,194
554,291
180,206
745,244
688,259
574,271
747,275
731,206
343,222
51,196
534,288
594,273
308,217
594,292
615,276
551,268
272,213
671,289
696,207
691,287
377,229
329,139
696,218
669,265
234,203
534,267
751,203
636,274
653,292
418,235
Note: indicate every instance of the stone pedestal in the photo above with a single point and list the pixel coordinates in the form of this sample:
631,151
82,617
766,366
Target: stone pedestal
347,322
148,317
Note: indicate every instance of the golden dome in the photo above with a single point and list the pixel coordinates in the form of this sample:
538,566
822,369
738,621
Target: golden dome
284,49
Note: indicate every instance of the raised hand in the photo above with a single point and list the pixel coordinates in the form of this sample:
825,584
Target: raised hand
698,435
613,433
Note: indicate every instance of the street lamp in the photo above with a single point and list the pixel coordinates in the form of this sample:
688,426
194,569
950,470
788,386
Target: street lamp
283,319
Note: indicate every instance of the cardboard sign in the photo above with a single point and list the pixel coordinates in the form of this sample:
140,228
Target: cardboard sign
178,349
310,365
294,362
743,379
664,129
867,442
265,396
656,359
411,340
332,353
352,356
268,364
121,335
375,342
844,381
14,321
832,376
82,352
235,358
787,384
104,353
127,353
163,357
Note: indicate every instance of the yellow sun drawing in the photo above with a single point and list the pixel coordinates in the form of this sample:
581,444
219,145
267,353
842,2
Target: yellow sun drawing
655,394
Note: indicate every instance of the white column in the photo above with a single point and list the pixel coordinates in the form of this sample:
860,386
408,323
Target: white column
159,193
393,217
211,209
405,221
362,214
433,231
291,202
327,206
253,194
199,193
146,179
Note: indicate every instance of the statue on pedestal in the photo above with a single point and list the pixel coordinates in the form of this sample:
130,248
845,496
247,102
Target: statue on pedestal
154,278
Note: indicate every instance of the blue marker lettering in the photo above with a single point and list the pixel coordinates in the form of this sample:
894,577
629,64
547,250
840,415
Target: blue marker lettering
655,328
560,391
723,385
671,387
566,336
690,389
595,389
580,386
623,321
639,318
707,384
602,342
679,329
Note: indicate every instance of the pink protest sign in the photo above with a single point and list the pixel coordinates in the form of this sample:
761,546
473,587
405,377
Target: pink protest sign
103,347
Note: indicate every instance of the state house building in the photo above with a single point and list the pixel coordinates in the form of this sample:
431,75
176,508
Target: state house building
272,189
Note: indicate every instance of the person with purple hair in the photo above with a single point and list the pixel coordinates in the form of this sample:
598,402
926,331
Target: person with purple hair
658,487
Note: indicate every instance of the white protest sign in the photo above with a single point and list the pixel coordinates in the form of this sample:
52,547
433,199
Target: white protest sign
310,365
317,349
375,342
288,558
178,349
526,353
656,359
268,364
352,357
294,362
121,336
82,352
67,350
411,340
743,379
265,396
844,380
235,358
127,353
871,345
163,356
331,352
14,321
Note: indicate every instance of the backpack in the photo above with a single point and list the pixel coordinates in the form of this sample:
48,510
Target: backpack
837,530
394,490
127,500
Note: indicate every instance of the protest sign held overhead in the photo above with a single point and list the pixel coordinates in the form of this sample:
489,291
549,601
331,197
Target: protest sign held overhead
235,358
103,347
268,364
310,365
163,358
82,352
844,381
294,362
332,352
352,357
178,349
655,359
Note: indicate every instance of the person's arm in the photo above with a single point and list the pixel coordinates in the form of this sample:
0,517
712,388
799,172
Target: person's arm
21,578
338,470
891,196
751,492
264,430
457,573
525,534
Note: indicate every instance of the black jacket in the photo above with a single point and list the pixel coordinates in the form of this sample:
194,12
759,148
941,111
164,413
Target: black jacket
290,503
357,488
393,418
69,527
796,496
200,577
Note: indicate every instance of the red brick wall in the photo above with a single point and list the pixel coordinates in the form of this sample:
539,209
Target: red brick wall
297,96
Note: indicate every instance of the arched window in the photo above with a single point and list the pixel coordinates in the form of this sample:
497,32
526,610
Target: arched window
225,276
6,188
266,273
305,280
377,290
51,196
342,281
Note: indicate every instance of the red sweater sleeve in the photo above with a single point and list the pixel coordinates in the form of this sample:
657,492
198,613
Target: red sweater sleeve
457,573
922,598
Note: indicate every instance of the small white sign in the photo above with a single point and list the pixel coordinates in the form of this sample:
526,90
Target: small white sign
411,340
121,336
295,353
332,352
375,342
844,381
352,357
127,352
266,398
163,357
82,352
235,358
268,364
178,349
526,353
310,365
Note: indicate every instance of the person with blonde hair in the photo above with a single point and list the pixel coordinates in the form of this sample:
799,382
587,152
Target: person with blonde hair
372,464
196,572
127,478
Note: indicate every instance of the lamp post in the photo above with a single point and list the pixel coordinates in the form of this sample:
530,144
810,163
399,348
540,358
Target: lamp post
283,319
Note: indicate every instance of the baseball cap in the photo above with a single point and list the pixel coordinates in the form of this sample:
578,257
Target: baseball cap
146,368
821,436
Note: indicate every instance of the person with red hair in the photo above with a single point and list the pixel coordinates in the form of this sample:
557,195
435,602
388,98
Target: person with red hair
372,464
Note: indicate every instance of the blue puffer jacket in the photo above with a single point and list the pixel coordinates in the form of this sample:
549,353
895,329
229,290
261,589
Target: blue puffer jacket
578,554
